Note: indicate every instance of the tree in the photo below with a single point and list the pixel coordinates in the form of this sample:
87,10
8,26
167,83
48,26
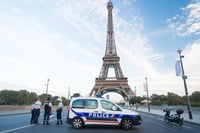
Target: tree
9,97
23,97
195,99
174,99
32,97
65,101
43,97
76,95
158,99
54,100
136,99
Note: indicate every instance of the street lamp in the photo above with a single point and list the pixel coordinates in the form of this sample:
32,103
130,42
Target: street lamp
135,94
47,87
184,77
68,93
147,94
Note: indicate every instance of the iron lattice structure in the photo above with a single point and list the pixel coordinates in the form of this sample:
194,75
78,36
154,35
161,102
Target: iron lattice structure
119,83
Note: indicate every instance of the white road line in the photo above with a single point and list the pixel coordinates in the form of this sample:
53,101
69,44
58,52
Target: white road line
186,126
160,119
158,124
14,129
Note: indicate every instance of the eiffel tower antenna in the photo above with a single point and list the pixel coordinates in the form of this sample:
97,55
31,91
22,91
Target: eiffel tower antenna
110,43
119,83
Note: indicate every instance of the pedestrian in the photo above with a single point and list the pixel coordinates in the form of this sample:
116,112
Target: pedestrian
59,111
37,107
32,113
47,111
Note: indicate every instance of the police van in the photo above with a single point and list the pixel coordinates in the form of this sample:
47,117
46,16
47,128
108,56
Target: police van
84,111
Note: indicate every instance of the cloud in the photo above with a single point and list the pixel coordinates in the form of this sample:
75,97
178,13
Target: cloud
192,55
188,23
136,55
69,50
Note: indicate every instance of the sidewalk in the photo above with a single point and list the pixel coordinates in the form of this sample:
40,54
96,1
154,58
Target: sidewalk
195,120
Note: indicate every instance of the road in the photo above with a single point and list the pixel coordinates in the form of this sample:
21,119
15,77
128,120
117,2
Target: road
151,124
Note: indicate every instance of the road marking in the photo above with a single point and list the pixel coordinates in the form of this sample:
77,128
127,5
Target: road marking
160,119
186,126
14,129
158,124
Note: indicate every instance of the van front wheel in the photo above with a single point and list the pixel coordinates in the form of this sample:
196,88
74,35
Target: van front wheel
77,123
127,123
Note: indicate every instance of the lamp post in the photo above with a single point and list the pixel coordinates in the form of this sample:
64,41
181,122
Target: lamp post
47,87
147,94
135,94
68,93
184,77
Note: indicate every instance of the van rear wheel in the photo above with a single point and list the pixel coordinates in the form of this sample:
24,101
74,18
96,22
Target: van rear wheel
127,123
77,123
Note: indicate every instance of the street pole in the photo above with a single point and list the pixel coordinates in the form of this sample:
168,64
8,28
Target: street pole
47,87
135,93
147,94
184,77
68,93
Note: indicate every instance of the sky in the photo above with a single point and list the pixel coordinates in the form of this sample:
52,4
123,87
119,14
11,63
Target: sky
65,40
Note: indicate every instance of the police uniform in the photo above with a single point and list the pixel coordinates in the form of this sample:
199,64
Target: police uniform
59,112
32,113
37,107
47,111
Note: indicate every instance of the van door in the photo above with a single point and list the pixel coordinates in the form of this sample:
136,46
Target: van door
90,111
111,112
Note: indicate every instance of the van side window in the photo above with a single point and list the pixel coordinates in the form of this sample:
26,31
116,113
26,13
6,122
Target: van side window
90,104
106,104
78,104
85,103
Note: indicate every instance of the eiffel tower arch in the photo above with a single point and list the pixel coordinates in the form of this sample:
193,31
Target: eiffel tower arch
118,83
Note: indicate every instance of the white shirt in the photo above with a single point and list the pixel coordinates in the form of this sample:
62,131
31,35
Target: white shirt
37,104
33,106
60,105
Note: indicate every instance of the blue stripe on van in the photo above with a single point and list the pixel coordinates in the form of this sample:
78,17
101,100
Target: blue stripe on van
101,115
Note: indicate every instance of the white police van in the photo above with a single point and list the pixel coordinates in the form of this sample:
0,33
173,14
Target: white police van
99,111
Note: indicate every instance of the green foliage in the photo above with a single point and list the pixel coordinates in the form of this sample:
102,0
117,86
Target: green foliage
174,99
135,100
170,99
195,99
76,95
43,97
9,97
65,101
54,100
158,99
23,97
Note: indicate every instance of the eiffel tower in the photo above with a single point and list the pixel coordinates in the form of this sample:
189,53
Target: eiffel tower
119,83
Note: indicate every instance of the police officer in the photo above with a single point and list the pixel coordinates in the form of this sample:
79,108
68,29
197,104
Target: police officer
47,111
59,112
32,113
36,111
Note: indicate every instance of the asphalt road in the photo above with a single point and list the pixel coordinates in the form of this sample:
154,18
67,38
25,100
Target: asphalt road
151,124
